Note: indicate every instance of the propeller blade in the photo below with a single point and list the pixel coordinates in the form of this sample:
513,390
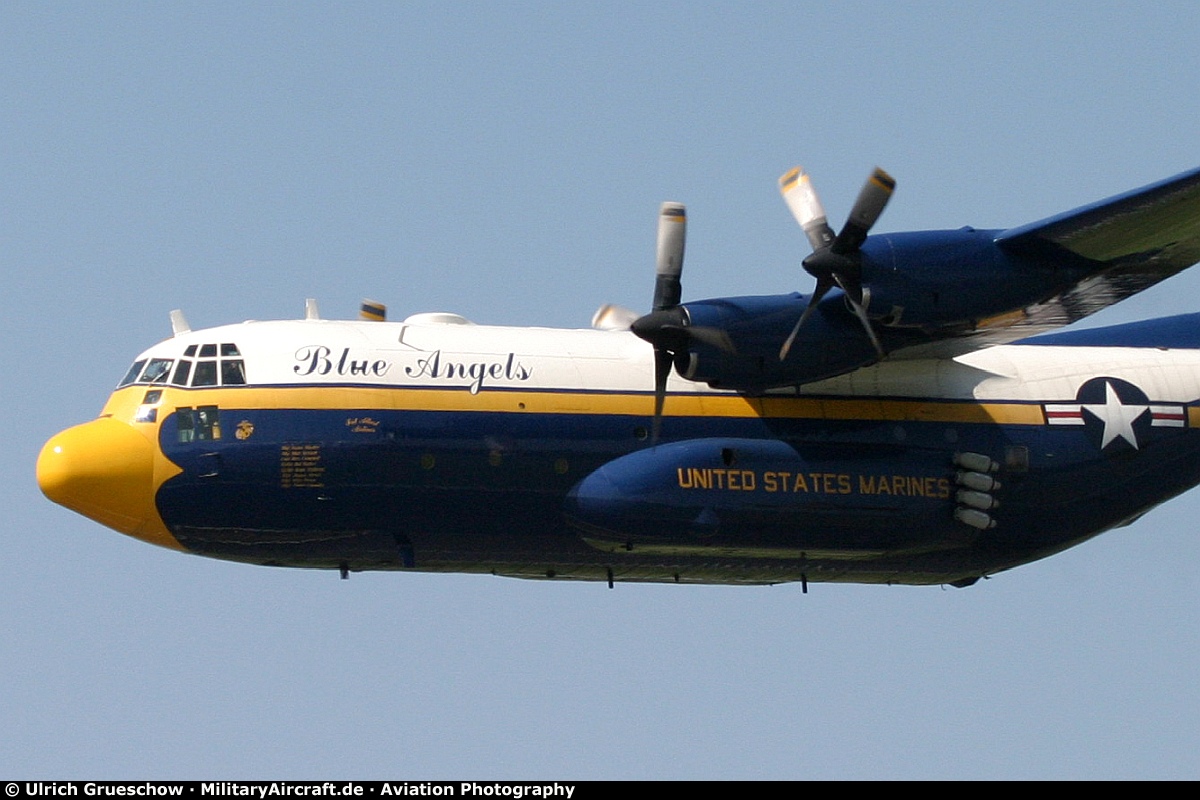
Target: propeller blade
662,370
806,207
824,284
611,317
672,233
663,327
867,208
859,298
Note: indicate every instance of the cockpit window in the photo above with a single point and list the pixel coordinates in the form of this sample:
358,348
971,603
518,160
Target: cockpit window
228,369
206,374
182,372
157,370
232,372
133,373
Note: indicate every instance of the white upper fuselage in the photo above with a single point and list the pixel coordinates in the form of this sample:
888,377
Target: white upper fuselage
426,351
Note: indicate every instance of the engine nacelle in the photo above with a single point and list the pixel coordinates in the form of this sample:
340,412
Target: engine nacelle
917,288
949,280
831,343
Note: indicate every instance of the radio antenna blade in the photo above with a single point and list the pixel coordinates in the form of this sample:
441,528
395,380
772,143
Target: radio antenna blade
179,323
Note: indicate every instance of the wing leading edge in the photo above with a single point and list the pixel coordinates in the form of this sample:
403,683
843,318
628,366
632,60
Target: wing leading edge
1113,249
1131,242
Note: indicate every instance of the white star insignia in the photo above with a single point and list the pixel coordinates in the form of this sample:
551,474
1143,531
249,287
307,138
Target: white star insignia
1118,419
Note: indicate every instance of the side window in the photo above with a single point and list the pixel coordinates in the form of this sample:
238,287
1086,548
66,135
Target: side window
201,424
208,423
185,423
148,410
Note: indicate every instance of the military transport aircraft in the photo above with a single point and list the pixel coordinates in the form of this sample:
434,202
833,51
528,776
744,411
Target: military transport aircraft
898,425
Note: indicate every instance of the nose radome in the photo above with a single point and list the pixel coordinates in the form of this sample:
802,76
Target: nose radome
103,469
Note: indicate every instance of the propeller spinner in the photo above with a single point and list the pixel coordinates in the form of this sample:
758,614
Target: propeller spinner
836,260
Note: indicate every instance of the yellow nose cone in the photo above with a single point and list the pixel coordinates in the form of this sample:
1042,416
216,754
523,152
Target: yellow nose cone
104,469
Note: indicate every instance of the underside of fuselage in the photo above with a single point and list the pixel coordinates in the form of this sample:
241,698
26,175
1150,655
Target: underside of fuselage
858,501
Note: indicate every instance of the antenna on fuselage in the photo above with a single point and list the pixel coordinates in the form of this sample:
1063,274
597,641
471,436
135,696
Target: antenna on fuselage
179,323
310,309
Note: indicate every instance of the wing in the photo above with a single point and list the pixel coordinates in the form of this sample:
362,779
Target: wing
927,294
1117,247
1134,240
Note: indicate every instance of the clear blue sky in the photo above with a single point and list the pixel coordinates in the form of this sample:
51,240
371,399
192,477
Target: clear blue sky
506,161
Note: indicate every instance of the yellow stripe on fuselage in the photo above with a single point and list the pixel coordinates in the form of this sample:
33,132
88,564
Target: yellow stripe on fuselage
124,401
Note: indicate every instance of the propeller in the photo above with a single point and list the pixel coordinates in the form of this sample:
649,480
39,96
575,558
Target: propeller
663,327
667,326
836,260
